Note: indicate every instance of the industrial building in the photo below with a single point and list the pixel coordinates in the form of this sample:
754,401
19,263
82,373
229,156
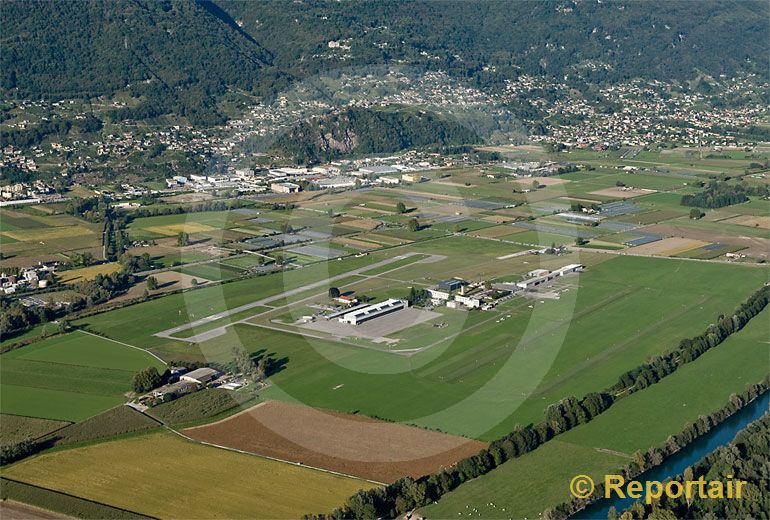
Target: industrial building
370,312
540,278
284,187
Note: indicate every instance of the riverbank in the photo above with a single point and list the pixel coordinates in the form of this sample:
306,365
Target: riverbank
536,481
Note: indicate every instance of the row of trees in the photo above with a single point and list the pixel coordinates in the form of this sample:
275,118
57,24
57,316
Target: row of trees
690,349
645,460
211,205
745,458
407,493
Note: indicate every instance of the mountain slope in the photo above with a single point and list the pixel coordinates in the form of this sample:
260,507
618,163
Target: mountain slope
598,40
180,55
176,54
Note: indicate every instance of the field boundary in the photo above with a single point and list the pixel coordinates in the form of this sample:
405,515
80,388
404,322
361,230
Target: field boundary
124,344
275,459
8,492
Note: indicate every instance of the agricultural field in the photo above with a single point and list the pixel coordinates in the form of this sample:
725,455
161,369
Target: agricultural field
29,236
408,393
275,489
88,273
16,428
526,486
69,377
205,405
345,443
120,420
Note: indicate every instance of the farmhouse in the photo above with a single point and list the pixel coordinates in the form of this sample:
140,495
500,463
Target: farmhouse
201,376
370,312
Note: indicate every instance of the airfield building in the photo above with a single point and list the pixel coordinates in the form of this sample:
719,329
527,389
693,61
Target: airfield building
370,312
542,278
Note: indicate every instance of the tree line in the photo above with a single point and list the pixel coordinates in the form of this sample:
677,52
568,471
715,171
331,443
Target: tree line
646,460
720,194
407,493
745,458
211,205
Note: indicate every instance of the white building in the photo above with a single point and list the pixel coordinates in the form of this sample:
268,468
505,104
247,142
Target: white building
370,312
535,281
438,294
471,302
284,187
201,376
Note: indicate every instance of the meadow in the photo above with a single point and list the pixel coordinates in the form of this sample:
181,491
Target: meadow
526,486
245,483
69,377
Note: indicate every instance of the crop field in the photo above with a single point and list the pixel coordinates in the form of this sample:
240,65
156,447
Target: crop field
120,420
640,421
68,377
15,428
350,444
28,236
88,273
526,353
204,405
209,223
244,483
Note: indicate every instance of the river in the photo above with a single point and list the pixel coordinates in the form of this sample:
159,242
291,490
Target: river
721,435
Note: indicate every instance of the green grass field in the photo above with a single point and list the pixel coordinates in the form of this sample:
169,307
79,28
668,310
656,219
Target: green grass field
526,486
504,366
170,477
503,370
211,271
69,377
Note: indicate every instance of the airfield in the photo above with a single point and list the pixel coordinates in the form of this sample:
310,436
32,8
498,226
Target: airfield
429,376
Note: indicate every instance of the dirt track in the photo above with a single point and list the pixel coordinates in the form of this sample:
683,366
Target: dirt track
349,444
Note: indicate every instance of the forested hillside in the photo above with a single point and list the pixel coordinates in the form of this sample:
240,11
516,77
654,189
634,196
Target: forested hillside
174,55
598,40
368,131
179,56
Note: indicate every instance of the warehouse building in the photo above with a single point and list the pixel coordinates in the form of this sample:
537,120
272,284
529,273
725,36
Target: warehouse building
542,278
370,312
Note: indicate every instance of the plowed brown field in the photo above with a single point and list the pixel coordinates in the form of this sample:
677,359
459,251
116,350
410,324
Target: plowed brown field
350,444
